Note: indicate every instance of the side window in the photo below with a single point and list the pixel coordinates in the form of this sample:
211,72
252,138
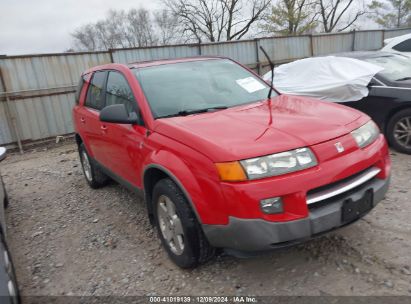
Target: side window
119,92
78,89
404,46
95,93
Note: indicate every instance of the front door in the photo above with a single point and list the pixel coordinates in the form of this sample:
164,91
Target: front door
123,141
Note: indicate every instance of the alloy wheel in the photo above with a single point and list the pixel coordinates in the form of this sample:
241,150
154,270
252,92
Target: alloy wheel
86,166
170,224
402,132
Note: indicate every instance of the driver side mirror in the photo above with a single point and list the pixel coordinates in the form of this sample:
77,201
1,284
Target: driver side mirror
2,153
118,114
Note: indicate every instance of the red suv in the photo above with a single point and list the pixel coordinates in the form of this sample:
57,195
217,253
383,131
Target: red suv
220,164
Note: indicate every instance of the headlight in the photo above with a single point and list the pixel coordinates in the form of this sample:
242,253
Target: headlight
280,163
366,134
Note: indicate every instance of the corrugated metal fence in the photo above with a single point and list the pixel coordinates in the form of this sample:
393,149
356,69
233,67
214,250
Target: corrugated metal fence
37,91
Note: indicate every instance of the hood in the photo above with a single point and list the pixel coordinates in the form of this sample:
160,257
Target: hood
257,129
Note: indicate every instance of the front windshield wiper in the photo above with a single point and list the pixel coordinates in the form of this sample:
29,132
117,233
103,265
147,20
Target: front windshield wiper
197,111
403,79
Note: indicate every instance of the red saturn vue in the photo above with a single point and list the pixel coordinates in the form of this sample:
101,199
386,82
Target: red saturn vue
223,160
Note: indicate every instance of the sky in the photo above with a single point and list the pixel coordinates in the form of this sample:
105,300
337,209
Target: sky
44,26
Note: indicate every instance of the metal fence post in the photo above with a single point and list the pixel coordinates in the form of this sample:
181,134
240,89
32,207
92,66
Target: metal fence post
11,115
311,45
110,52
199,49
353,41
257,55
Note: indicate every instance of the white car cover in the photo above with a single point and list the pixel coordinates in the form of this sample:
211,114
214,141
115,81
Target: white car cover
337,79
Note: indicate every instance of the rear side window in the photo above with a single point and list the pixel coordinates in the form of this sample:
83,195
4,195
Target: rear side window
78,89
95,93
119,92
404,46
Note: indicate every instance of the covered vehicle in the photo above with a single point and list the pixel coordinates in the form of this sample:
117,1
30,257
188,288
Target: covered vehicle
336,78
385,96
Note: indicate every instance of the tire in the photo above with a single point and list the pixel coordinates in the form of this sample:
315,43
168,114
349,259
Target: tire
6,197
11,273
188,246
94,176
397,128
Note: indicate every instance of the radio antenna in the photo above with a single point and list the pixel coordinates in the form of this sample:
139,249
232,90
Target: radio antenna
272,71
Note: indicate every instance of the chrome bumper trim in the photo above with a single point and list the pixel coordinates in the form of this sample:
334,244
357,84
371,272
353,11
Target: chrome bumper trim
343,187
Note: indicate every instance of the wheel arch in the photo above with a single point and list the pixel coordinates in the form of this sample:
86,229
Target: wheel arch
151,175
78,139
393,112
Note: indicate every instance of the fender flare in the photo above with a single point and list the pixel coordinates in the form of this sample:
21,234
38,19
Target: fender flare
173,176
79,140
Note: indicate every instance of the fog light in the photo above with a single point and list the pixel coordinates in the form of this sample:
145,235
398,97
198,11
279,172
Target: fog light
272,205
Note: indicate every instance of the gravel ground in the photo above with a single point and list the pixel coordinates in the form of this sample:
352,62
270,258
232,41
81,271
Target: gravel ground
67,239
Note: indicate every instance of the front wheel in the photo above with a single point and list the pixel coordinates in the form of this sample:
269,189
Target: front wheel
399,131
178,228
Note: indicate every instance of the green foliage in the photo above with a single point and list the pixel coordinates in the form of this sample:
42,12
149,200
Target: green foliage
391,13
291,17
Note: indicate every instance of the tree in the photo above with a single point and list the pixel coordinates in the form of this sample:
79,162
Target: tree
391,13
85,38
217,20
335,14
291,17
140,28
121,29
167,25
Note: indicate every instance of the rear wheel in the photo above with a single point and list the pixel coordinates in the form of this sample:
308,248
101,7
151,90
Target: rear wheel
94,176
399,131
178,228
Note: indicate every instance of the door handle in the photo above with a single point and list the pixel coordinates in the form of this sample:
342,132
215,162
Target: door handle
103,127
82,120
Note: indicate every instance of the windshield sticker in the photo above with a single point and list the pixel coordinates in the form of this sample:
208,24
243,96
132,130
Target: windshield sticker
250,84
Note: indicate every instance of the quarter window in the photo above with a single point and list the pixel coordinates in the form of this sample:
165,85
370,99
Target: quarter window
404,46
95,93
78,89
119,92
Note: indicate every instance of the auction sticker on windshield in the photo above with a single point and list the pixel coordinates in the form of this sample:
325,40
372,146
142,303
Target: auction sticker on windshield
250,84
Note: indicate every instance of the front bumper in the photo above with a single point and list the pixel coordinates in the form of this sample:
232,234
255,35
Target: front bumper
250,235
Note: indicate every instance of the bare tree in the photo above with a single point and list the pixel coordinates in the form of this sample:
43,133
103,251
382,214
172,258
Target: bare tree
217,20
167,26
391,13
335,14
291,17
135,28
85,38
140,28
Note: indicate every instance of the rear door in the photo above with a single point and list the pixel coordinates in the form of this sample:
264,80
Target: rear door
124,142
90,125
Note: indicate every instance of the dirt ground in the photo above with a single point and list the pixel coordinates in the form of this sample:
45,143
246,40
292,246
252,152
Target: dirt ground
67,239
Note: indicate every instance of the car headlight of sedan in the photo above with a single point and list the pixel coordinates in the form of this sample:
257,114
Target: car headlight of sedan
366,134
279,163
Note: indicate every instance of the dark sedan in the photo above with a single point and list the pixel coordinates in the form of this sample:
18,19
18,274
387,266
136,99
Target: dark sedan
389,100
8,287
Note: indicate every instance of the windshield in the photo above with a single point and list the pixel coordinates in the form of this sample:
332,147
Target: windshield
396,67
186,87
